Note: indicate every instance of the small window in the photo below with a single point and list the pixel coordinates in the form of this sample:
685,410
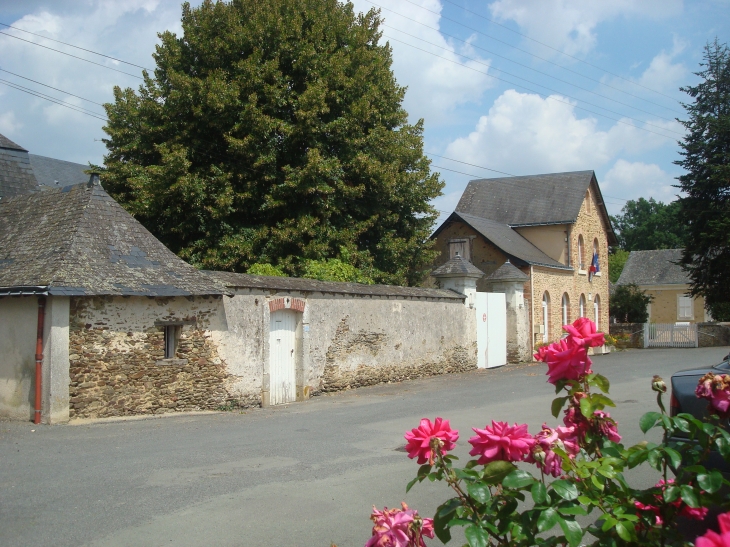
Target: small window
581,254
172,335
582,310
545,316
588,201
684,307
566,309
597,312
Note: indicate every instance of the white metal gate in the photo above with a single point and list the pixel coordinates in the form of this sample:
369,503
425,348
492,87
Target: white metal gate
491,309
282,357
670,335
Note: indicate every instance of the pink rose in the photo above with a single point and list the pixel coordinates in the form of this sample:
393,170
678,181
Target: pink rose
713,539
605,426
684,510
399,528
543,453
566,361
541,353
419,439
716,389
501,442
583,332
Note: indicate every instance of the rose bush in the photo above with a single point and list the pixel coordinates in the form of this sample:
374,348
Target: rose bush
579,468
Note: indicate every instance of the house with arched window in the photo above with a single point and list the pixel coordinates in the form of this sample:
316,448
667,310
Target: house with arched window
554,228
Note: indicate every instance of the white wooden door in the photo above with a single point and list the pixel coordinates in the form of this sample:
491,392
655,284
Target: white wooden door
491,310
282,357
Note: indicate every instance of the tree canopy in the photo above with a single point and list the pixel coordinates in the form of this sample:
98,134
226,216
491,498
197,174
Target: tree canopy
274,133
616,262
705,208
628,304
644,225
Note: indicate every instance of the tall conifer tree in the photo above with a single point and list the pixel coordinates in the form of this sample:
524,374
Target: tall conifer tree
274,132
706,159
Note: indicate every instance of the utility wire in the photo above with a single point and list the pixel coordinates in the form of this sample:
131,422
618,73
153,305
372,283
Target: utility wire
529,68
74,56
548,97
524,51
551,47
49,86
51,99
77,47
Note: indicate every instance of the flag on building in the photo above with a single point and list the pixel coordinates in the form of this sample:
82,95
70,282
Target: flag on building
595,268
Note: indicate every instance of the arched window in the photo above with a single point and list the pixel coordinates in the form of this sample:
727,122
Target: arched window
545,316
597,312
588,201
566,309
582,306
581,254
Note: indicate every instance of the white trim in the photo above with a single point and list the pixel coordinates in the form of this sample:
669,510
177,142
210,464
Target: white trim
582,272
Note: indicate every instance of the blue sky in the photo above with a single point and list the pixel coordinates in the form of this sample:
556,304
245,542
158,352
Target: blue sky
517,86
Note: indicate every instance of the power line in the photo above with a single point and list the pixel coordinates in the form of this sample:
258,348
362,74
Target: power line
541,95
77,47
49,86
550,47
529,68
74,56
50,99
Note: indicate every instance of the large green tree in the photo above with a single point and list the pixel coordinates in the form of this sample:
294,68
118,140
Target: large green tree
705,207
647,224
273,132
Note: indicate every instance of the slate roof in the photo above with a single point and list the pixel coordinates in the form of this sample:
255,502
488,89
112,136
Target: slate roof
16,172
246,281
513,244
508,272
553,198
657,267
457,266
78,241
57,173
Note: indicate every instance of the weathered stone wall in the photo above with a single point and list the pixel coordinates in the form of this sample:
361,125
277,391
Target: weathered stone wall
713,334
117,364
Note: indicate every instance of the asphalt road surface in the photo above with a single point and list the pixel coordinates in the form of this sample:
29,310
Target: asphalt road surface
305,474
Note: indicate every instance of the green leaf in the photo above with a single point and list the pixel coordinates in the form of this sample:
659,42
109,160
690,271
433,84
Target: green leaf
539,493
625,530
649,420
547,519
601,382
495,472
675,459
637,457
689,496
572,510
586,408
607,471
597,482
710,482
468,474
557,405
424,470
671,493
476,537
585,500
517,479
565,489
442,517
410,484
602,400
479,491
573,531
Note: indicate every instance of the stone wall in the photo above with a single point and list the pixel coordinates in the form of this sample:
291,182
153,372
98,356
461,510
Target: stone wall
635,332
713,334
117,357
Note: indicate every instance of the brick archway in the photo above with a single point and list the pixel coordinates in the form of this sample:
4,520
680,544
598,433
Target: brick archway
287,303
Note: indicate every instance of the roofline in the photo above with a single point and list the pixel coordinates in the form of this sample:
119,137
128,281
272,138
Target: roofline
511,256
557,222
25,290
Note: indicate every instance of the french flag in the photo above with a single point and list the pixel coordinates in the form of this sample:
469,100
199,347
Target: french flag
595,268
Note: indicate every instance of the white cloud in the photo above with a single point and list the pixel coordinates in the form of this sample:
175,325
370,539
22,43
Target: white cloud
569,25
9,123
632,180
662,73
436,85
525,134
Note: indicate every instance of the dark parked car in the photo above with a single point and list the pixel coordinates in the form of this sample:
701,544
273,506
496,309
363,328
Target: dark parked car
683,399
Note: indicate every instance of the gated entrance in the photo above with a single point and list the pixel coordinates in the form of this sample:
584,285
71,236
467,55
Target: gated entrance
491,311
670,335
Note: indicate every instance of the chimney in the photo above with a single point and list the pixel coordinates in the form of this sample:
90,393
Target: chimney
94,180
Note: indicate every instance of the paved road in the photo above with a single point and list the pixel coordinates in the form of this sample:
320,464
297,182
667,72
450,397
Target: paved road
305,474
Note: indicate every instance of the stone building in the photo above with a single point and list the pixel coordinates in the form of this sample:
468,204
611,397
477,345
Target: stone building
660,276
549,227
99,319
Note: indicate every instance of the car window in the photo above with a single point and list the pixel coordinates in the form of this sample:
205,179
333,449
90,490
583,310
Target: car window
725,365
